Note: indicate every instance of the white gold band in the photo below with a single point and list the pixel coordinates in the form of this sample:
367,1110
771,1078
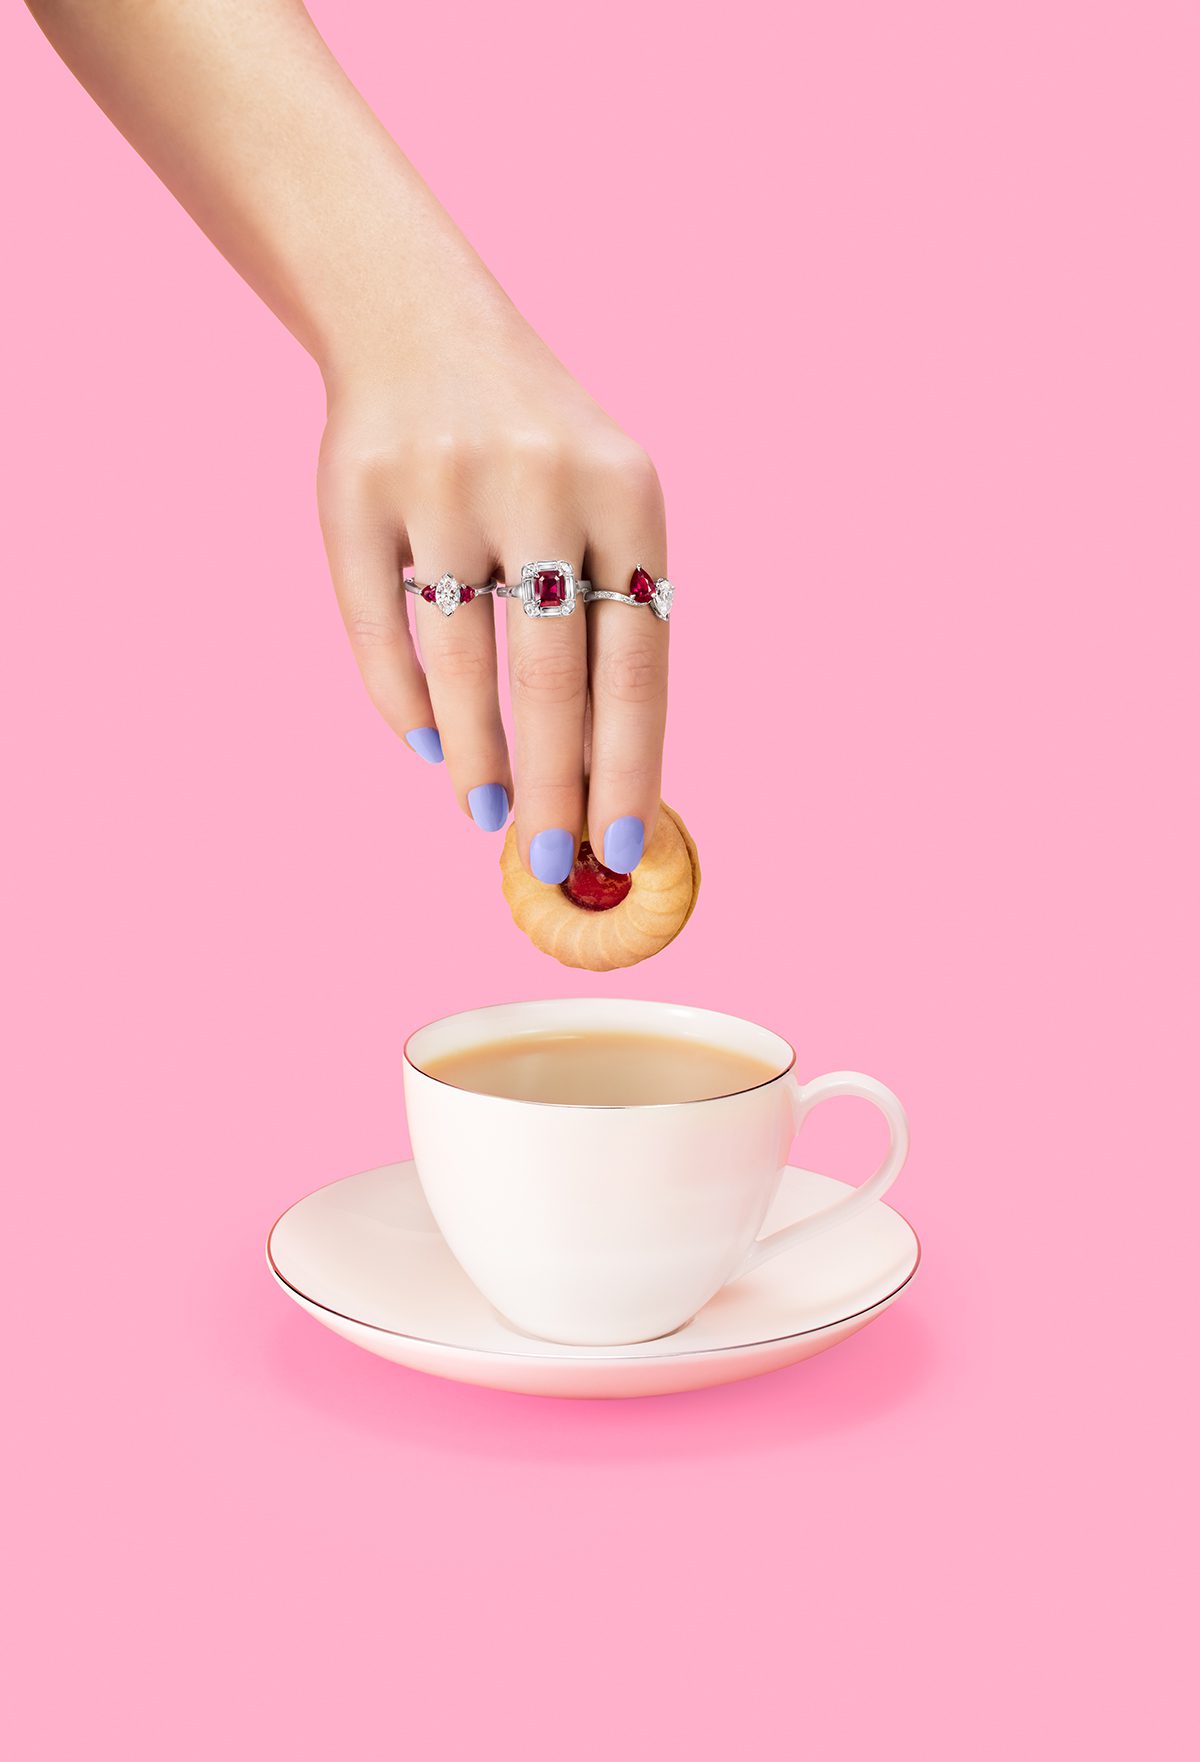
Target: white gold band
447,593
547,589
658,595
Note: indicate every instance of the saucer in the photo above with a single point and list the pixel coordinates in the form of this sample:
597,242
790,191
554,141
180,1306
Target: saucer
365,1257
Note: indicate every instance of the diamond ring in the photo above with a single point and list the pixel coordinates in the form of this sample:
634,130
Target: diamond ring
643,591
547,589
448,594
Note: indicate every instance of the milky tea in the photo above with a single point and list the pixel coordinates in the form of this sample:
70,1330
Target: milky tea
600,1069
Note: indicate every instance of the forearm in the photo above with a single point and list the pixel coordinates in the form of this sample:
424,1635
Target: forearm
454,439
243,112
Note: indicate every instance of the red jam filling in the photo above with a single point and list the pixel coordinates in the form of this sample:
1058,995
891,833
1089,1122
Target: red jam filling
591,886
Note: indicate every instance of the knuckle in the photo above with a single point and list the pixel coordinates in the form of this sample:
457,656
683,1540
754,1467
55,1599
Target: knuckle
369,631
628,781
350,465
442,457
633,675
547,676
460,665
537,456
626,472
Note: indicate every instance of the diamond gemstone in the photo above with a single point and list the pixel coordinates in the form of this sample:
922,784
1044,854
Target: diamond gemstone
448,595
660,604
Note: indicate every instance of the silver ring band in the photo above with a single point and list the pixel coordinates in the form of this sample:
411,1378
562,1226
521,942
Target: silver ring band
447,593
644,591
547,589
583,588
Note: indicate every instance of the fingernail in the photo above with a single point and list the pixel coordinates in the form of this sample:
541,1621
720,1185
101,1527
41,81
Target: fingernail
624,843
427,742
551,855
488,803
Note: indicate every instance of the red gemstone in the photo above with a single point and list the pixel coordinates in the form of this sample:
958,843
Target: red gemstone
467,594
591,886
641,588
428,593
550,588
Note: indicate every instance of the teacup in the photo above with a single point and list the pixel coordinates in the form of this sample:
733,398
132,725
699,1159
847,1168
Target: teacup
606,1225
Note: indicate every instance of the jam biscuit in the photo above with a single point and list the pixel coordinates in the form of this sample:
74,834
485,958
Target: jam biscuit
600,920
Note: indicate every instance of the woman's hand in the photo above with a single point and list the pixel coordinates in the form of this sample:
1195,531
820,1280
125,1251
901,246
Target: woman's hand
455,439
469,450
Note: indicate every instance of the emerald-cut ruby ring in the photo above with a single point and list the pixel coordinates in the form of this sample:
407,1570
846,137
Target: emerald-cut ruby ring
546,589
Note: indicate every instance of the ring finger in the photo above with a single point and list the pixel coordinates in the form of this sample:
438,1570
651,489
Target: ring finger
627,657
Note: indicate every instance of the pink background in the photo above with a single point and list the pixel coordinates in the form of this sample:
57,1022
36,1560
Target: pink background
903,301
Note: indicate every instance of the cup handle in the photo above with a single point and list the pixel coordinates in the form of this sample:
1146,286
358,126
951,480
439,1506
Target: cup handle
804,1098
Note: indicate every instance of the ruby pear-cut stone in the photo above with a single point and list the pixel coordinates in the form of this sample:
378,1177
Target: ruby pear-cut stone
549,588
429,593
641,588
467,594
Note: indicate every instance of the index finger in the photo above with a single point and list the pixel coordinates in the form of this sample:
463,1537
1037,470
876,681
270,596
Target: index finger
365,563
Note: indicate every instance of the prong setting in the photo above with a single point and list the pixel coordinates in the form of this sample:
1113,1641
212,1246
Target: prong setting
447,593
643,591
548,588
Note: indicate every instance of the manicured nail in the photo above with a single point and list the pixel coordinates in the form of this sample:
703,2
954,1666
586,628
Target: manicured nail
624,843
428,743
488,803
552,855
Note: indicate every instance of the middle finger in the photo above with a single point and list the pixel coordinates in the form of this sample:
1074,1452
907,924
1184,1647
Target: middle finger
547,657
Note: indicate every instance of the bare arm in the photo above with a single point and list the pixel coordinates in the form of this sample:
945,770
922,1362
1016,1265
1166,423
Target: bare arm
455,439
245,115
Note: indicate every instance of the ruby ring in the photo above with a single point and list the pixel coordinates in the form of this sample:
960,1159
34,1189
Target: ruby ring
643,591
546,589
447,594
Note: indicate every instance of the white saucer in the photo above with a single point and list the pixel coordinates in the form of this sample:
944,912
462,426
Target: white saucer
365,1257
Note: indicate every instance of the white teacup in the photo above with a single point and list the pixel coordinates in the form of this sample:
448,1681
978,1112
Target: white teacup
607,1225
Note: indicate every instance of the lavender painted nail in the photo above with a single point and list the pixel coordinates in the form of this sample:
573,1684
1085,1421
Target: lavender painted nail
488,803
427,743
552,855
624,843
